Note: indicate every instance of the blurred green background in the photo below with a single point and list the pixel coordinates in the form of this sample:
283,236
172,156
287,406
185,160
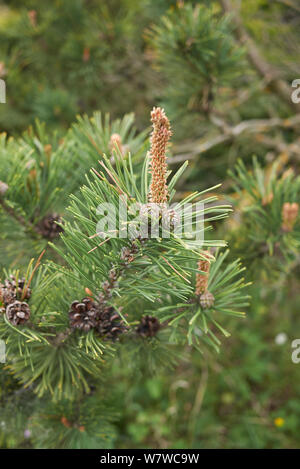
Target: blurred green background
63,58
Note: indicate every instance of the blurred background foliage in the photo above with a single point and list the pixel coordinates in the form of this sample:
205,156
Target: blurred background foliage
63,58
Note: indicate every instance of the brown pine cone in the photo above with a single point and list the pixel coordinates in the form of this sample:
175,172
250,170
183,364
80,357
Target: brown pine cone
10,291
48,227
110,324
83,315
18,313
148,327
128,253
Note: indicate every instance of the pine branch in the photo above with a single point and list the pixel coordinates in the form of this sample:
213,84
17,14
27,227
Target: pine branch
192,149
264,69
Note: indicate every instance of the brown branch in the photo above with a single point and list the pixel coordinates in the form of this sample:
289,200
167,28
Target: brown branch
264,69
280,146
190,150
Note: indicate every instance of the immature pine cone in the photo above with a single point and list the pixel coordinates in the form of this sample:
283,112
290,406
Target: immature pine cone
158,166
148,327
207,300
18,313
83,315
115,142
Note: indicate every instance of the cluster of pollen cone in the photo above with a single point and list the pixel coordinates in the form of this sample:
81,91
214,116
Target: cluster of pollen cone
206,299
158,165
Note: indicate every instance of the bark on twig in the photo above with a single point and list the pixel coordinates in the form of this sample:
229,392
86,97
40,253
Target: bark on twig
264,69
191,150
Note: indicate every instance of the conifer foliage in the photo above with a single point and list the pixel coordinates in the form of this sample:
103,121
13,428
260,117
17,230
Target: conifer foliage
117,291
162,289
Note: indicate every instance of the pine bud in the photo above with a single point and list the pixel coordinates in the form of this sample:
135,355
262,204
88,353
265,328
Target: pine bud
158,167
202,280
86,54
3,188
116,142
48,150
289,216
32,15
267,199
88,292
66,422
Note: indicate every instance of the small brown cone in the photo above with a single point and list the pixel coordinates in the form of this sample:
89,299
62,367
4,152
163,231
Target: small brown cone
48,227
10,291
18,313
148,326
83,315
110,324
